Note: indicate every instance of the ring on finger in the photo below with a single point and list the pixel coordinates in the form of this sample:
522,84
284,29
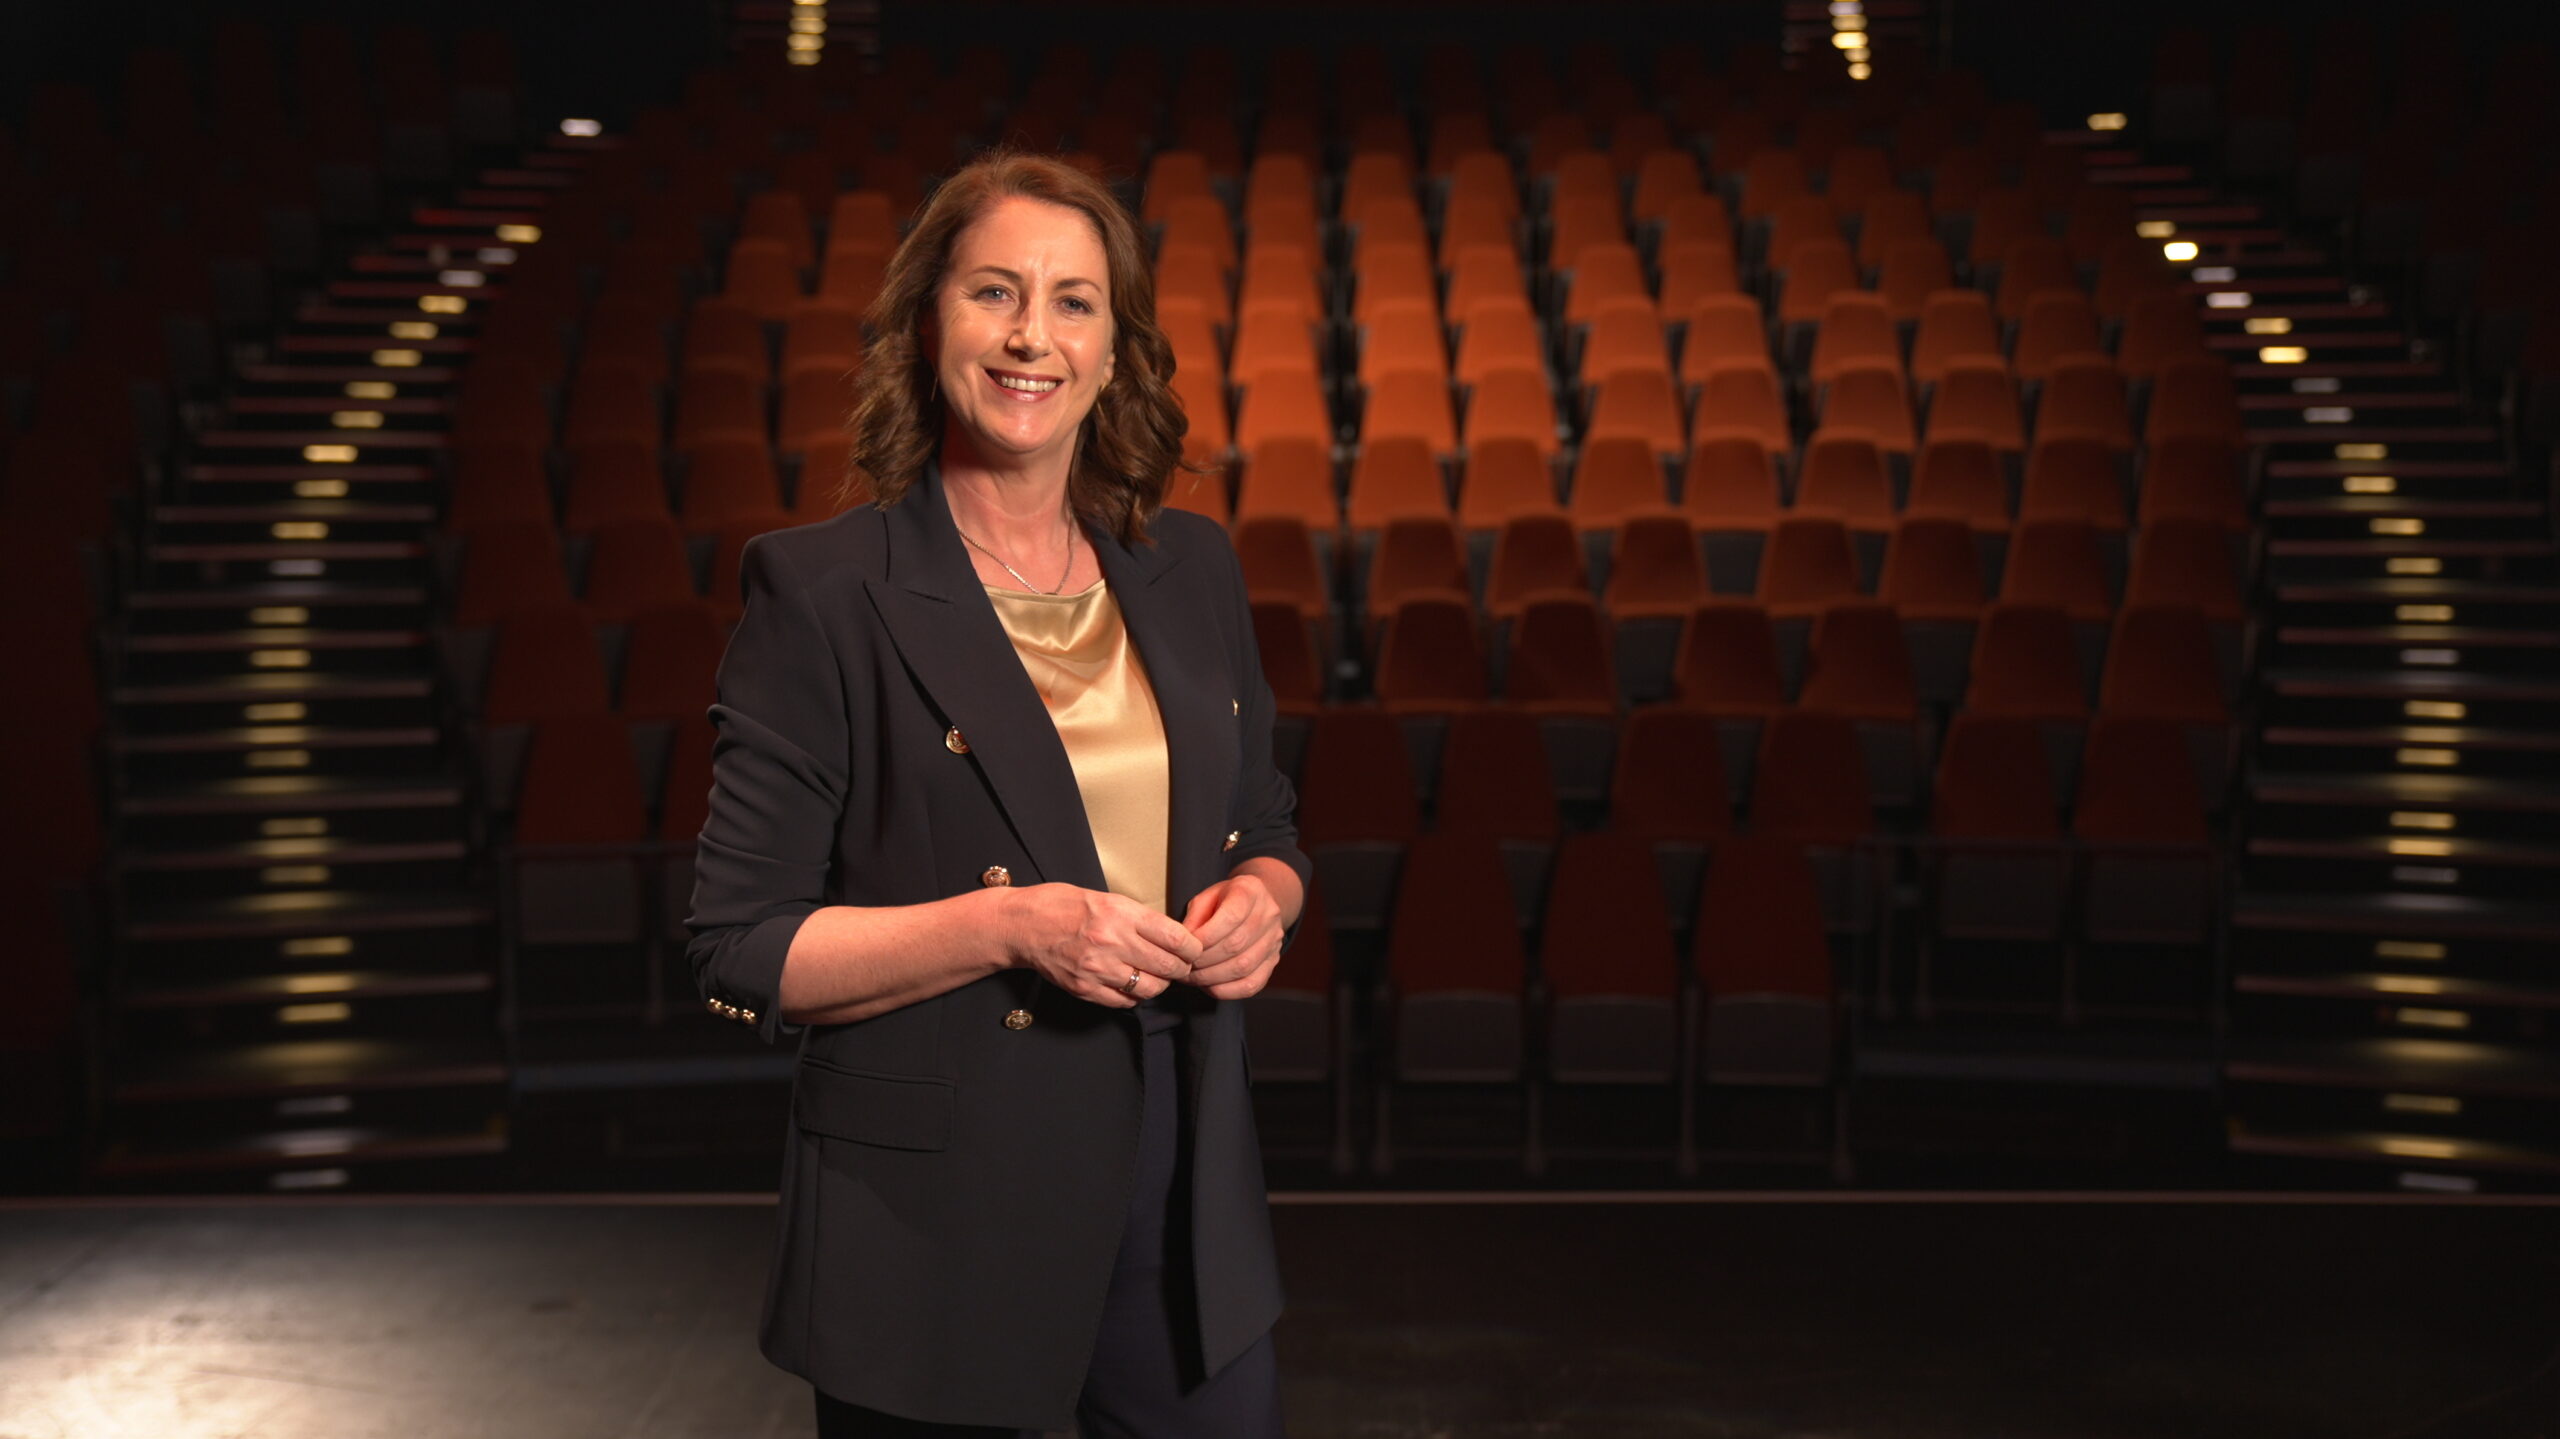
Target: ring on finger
1129,986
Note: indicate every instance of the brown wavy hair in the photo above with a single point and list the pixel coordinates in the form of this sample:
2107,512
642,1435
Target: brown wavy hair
1127,449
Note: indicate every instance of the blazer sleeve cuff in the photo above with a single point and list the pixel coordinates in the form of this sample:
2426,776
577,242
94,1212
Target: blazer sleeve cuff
747,984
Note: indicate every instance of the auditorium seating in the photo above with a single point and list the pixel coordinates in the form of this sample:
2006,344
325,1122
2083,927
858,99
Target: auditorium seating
1674,496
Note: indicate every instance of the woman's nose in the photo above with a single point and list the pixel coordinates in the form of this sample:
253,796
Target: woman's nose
1030,335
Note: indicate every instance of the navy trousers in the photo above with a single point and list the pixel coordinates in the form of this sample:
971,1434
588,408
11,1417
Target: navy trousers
1145,1379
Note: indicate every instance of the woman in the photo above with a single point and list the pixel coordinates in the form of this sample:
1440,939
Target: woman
978,744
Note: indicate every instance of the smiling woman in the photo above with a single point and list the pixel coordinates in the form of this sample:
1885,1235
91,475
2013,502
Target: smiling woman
995,831
1021,248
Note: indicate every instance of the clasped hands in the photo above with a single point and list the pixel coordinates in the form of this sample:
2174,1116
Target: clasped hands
1088,941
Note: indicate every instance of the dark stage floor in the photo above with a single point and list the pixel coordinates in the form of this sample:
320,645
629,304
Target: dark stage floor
1819,1316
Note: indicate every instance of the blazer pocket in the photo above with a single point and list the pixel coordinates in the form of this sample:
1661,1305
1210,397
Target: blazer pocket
895,1111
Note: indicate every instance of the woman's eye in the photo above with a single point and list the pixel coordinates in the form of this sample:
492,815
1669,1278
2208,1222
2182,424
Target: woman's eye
1081,307
987,290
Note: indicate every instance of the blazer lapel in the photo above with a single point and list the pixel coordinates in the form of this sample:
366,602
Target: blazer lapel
948,634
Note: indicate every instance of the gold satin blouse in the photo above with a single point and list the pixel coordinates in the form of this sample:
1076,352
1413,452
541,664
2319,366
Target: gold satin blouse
1077,652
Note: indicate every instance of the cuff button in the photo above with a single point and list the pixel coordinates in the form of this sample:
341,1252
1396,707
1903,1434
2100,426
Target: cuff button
952,741
994,875
1017,1019
1232,836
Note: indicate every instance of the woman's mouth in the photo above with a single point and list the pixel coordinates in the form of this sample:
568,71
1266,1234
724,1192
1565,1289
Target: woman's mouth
1029,389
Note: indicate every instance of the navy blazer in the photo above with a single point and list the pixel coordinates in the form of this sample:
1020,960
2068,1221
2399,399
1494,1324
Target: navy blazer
953,1186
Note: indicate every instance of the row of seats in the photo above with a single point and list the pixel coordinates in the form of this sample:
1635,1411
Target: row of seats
583,783
1727,481
1851,733
1560,651
1925,331
1723,382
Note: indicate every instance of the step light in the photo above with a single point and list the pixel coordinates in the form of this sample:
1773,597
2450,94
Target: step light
279,659
356,419
2431,1018
2283,355
496,255
2431,734
333,1012
2179,251
2431,657
314,1146
808,24
2326,414
2413,565
329,454
294,874
299,529
2421,1104
2436,709
2362,450
2316,385
520,234
298,569
2398,525
2408,1148
319,489
2156,229
2421,819
2370,484
2215,275
443,304
461,279
2229,300
2416,758
2424,874
2408,984
2267,325
299,825
2437,1183
338,982
280,615
2421,849
372,390
279,759
2426,949
2424,614
412,330
395,359
583,129
2107,120
319,946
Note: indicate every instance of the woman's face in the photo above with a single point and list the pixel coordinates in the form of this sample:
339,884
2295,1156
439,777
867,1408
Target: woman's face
1021,339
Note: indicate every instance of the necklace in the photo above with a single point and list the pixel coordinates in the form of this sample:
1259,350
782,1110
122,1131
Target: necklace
1017,574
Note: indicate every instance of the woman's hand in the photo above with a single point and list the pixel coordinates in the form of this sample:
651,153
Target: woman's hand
1238,923
1086,942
